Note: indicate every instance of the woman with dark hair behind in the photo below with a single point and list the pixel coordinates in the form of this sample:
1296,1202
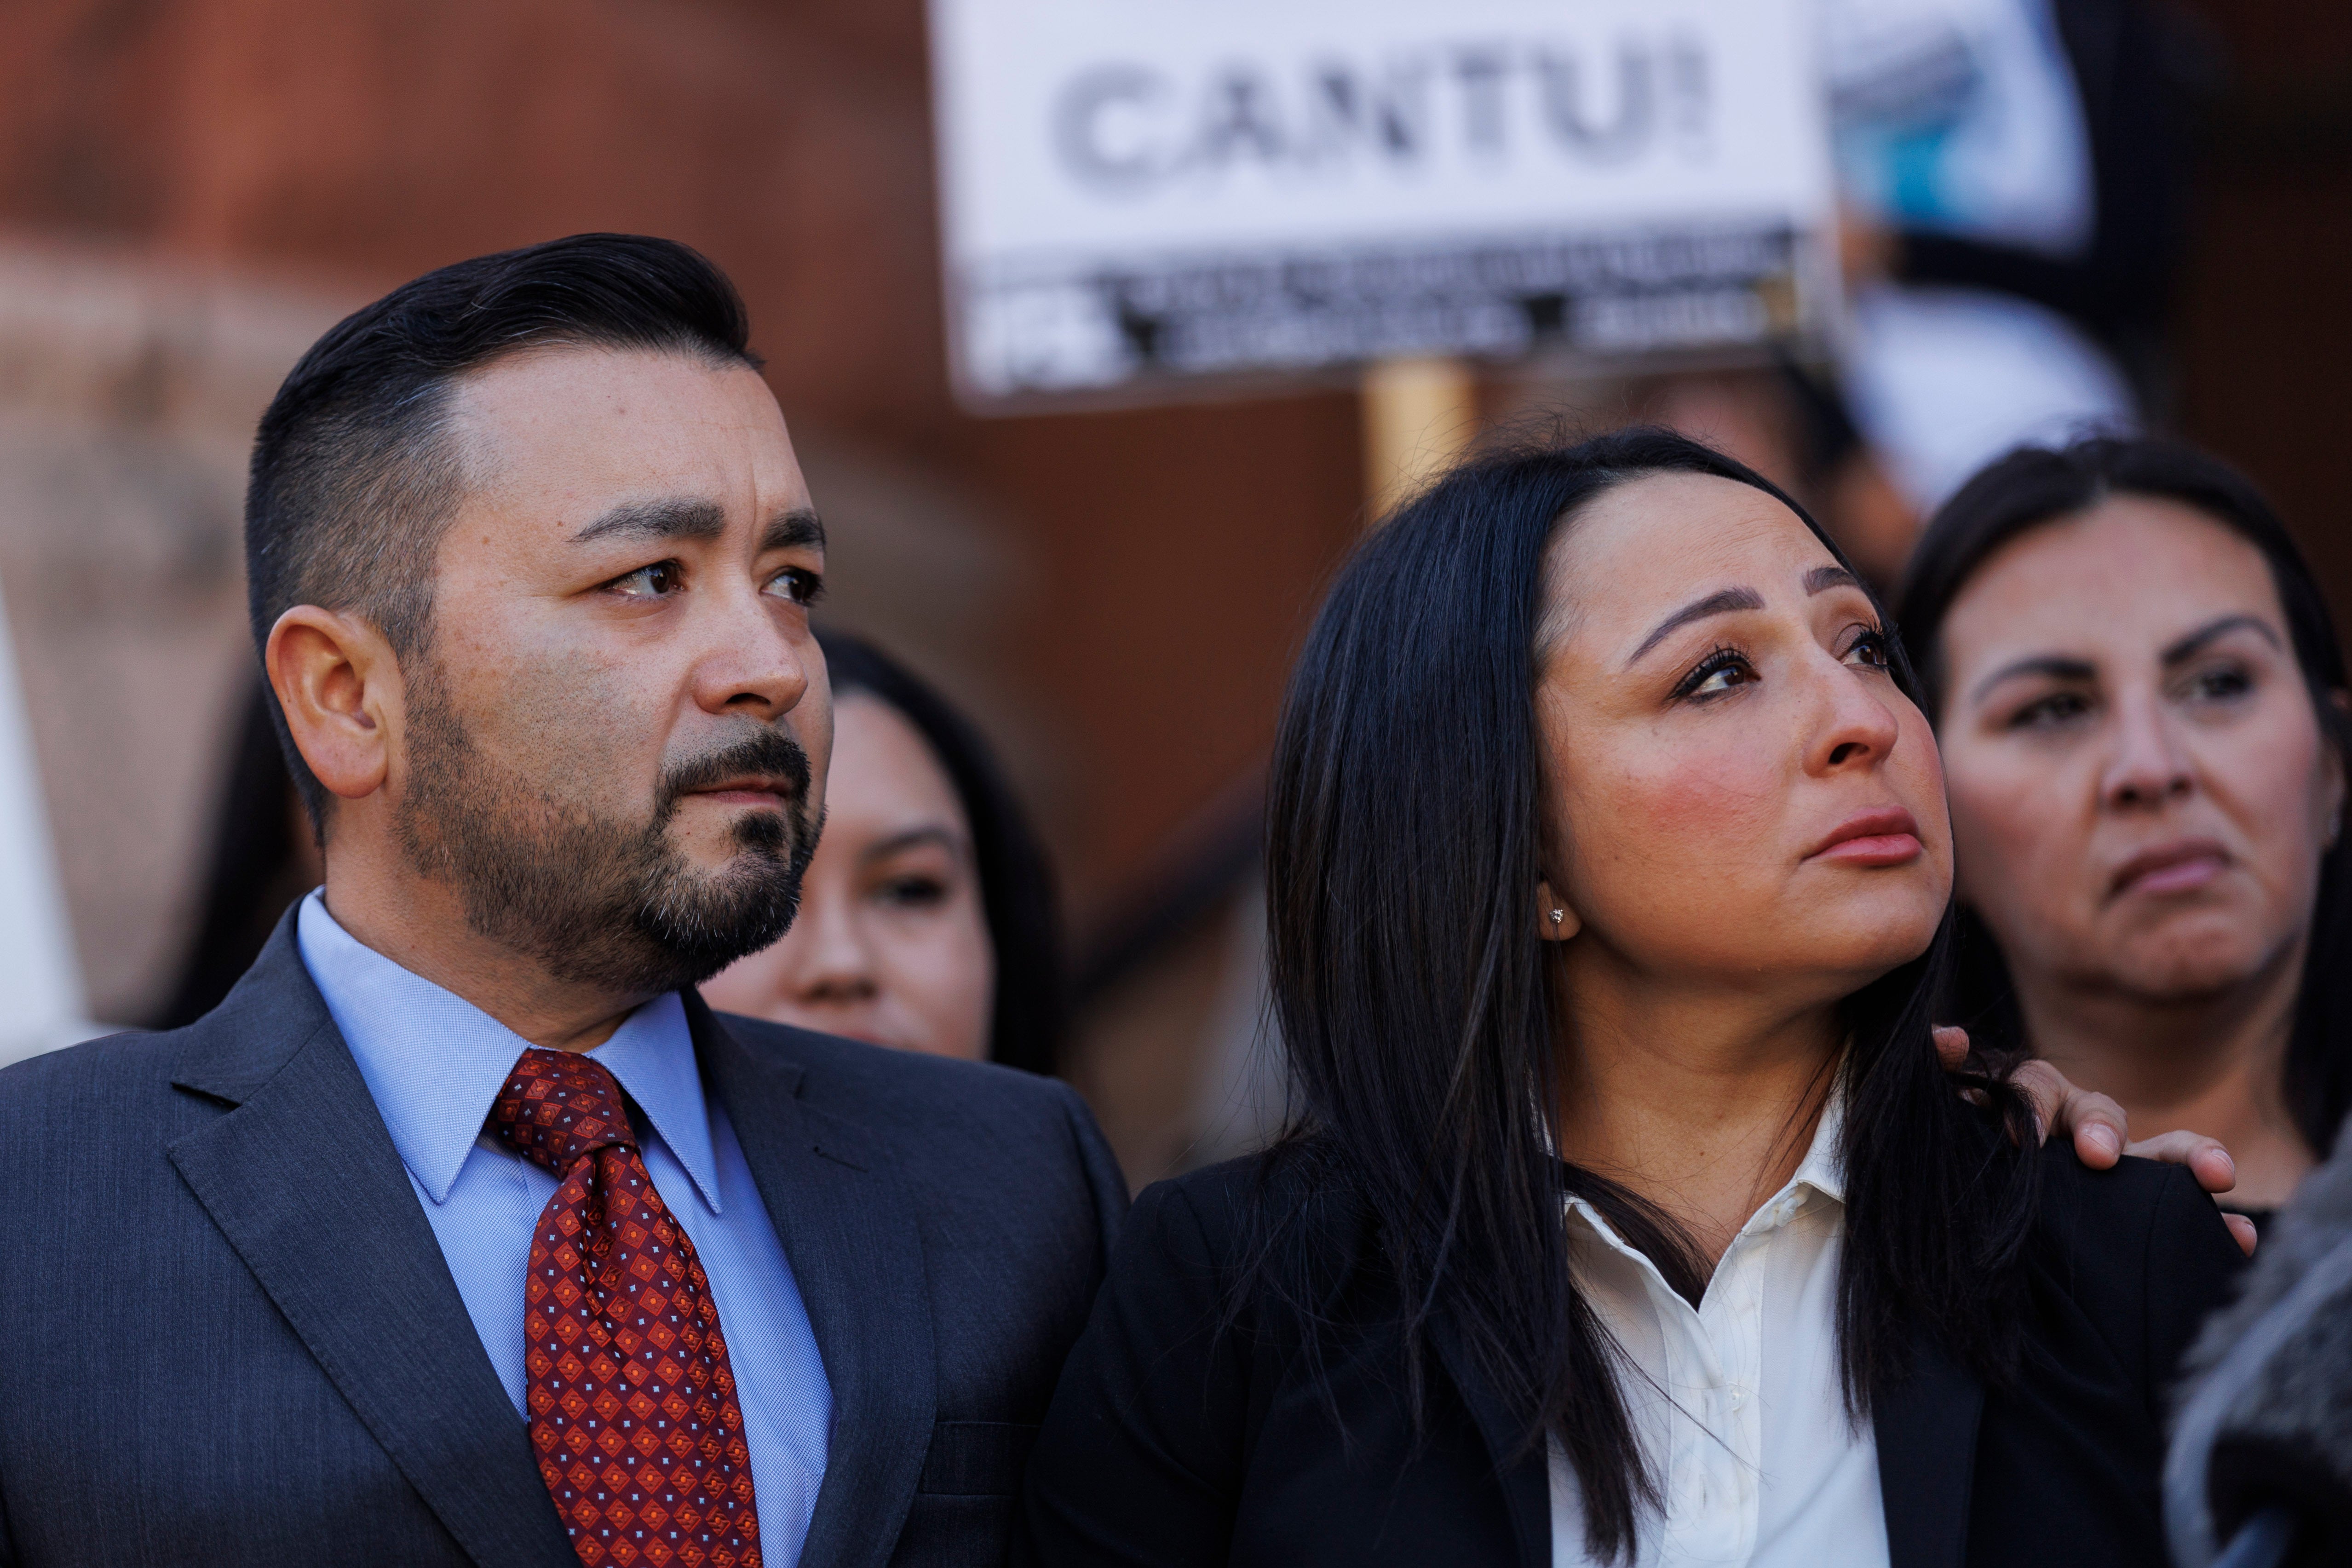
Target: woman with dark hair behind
928,917
2141,699
1628,1213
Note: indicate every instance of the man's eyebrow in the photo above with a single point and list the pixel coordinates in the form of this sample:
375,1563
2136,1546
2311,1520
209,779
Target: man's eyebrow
1822,578
799,528
1721,602
2056,667
678,518
2189,647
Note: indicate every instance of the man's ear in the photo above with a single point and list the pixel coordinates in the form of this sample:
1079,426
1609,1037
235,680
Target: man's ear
339,683
1555,920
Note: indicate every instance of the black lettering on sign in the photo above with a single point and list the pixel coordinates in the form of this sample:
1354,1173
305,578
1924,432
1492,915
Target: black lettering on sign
1483,73
1387,112
1690,96
1125,129
1239,121
1103,128
1582,118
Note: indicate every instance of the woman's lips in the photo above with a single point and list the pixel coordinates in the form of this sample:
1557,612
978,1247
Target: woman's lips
1889,836
2182,866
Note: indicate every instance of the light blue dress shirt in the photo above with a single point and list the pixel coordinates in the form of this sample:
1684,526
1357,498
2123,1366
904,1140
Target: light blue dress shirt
433,1061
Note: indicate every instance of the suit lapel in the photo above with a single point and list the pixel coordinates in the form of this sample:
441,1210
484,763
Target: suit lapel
303,1179
848,1230
1926,1435
1523,1476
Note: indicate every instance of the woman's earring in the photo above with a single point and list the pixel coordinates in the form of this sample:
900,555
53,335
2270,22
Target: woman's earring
1553,922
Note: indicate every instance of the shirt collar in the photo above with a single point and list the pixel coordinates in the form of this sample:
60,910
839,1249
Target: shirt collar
1823,1166
1822,1169
433,1061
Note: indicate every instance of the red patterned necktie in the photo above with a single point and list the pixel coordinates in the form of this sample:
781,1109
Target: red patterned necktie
633,1408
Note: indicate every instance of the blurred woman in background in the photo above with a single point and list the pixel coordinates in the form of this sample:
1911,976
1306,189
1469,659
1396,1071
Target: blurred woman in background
2140,698
927,918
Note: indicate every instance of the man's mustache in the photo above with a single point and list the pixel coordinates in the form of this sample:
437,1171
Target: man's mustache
769,753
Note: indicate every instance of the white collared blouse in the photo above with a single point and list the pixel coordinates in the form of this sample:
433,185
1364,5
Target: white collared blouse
1736,1402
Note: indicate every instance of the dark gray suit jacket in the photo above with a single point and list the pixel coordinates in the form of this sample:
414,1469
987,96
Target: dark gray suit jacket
227,1334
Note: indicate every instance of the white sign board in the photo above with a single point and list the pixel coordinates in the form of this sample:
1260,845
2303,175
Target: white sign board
1140,189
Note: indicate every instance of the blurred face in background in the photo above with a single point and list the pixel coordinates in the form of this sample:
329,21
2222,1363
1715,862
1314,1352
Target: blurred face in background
2141,790
891,945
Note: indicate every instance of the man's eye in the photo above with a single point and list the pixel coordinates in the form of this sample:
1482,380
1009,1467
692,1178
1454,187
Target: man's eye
798,584
649,582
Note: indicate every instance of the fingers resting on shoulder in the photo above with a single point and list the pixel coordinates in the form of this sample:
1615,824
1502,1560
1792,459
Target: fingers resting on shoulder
2101,1132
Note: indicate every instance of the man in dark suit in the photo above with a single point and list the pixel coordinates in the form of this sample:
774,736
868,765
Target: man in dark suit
462,1232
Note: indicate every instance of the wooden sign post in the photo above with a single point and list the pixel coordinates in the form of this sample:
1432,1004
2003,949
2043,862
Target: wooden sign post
1418,417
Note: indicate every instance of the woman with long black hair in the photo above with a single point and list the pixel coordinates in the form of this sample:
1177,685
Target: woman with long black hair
2141,702
1627,1214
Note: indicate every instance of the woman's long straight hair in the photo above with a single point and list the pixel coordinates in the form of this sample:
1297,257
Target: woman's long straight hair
1414,998
2036,486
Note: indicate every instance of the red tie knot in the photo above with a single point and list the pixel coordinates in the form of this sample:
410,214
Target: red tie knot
558,1107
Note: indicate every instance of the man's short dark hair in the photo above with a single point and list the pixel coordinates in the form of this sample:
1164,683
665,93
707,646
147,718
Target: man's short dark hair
354,480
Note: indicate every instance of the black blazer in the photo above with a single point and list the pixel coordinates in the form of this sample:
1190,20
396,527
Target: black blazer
1170,1444
227,1334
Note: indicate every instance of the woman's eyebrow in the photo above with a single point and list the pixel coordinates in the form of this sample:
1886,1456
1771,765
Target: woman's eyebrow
1721,602
930,833
1824,578
2189,647
2056,667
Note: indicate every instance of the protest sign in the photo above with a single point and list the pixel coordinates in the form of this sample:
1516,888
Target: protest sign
1138,193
